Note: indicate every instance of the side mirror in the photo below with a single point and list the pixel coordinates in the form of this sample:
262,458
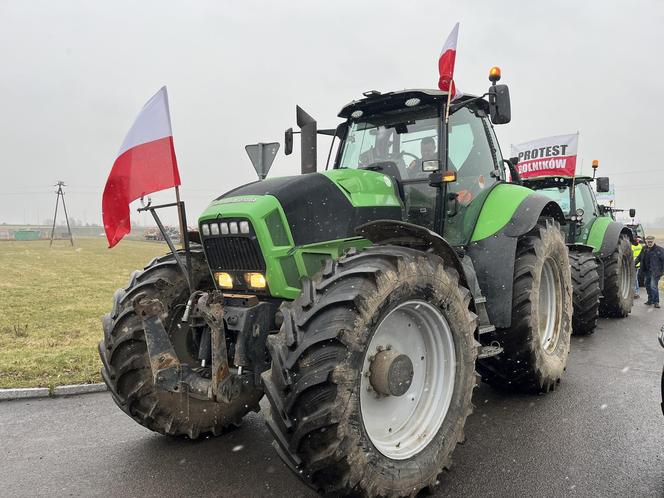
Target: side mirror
632,213
499,104
288,142
514,172
602,183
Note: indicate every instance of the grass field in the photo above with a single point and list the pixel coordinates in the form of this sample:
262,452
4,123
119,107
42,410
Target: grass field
51,303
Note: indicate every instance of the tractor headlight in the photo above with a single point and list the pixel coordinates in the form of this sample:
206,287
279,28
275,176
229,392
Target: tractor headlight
224,228
232,226
255,280
225,280
244,227
206,229
214,229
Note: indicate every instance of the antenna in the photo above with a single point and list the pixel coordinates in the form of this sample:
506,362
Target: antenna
60,193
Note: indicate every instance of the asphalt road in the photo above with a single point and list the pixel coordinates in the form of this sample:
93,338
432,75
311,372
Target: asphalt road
600,434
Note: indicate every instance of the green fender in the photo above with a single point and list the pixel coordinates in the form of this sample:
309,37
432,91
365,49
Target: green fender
604,235
508,212
514,209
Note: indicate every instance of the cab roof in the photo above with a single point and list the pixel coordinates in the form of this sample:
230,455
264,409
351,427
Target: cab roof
375,101
555,181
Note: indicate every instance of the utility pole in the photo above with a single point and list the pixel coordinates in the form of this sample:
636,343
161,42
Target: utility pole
59,194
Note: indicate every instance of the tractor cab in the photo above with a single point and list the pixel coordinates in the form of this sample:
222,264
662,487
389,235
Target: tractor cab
402,135
575,197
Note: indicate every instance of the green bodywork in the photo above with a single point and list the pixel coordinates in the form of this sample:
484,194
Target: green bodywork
498,209
595,233
287,263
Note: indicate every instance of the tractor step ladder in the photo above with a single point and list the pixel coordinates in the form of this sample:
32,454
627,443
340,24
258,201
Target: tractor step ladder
484,326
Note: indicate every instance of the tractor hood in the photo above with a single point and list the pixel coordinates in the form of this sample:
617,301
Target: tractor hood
325,206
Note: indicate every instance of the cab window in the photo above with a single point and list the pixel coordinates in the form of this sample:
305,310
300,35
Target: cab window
471,157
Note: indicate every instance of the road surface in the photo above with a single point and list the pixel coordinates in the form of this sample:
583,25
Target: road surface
601,433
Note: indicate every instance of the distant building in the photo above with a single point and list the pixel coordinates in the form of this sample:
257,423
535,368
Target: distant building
27,234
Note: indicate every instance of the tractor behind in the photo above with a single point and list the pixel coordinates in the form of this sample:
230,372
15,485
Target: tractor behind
600,249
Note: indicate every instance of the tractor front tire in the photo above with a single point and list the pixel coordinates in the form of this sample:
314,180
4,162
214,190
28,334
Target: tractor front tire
586,288
619,282
536,346
332,424
126,364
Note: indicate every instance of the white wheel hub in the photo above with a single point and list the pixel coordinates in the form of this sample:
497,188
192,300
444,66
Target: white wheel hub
407,379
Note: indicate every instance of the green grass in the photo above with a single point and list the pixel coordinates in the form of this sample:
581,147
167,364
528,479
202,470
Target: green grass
51,304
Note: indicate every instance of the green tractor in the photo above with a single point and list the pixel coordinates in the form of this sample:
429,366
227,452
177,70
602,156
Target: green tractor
361,300
600,249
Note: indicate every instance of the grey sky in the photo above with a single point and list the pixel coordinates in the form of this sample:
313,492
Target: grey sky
75,73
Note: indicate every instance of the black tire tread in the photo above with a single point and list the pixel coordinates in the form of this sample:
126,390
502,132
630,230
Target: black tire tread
307,388
612,304
586,292
518,367
125,364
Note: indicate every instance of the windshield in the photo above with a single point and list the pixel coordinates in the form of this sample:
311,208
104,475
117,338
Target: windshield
395,142
560,195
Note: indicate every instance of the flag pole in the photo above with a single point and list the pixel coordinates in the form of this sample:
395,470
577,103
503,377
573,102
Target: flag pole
184,237
449,99
180,218
447,128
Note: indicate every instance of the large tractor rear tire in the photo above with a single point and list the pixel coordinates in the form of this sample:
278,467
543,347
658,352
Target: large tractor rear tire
619,280
126,365
585,282
372,373
536,346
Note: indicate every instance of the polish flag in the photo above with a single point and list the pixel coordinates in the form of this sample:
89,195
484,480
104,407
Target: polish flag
446,63
145,163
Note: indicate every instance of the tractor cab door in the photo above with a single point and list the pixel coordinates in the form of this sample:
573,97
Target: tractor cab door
475,157
585,209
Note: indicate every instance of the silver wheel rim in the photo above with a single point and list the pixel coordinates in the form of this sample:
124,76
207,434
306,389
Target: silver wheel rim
625,283
402,426
549,308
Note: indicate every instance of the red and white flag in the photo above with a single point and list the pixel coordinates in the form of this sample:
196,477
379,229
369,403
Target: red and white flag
146,163
446,63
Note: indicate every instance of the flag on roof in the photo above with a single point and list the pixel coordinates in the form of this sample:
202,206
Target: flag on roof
446,63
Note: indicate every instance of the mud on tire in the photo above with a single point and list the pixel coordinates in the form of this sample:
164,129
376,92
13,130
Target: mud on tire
318,360
586,292
126,367
619,280
529,362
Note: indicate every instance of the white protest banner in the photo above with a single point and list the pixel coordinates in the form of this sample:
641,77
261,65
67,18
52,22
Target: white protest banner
551,156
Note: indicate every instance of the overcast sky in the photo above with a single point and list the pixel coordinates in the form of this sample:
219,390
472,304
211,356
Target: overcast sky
75,74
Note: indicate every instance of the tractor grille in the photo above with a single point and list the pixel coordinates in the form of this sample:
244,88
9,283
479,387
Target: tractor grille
233,252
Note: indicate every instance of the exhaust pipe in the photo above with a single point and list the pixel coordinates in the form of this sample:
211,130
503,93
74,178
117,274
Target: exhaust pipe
308,132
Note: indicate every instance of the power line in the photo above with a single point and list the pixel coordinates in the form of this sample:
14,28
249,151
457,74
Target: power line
60,193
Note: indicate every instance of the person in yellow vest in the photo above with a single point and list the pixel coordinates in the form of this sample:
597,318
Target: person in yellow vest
636,250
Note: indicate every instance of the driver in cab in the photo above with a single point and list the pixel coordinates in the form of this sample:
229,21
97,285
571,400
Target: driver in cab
428,153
